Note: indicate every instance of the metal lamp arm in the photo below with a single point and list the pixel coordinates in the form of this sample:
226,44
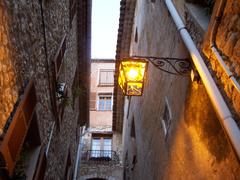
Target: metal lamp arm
175,66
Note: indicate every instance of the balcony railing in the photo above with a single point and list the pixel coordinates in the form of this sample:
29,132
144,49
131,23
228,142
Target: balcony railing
106,157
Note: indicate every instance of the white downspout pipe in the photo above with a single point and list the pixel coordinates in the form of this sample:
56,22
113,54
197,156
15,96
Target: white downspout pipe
83,131
78,154
219,104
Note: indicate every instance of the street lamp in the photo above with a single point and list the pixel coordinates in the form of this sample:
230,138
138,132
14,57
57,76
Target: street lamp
132,71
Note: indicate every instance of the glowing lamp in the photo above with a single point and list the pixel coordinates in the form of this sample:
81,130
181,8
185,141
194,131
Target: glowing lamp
132,72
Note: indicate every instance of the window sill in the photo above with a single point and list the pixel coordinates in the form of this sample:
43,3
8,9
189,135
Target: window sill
105,85
104,110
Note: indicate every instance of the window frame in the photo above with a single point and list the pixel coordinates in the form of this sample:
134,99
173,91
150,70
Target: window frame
101,138
166,123
104,95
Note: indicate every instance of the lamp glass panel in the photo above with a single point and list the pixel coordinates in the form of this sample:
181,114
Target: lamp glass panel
134,70
134,89
131,76
121,78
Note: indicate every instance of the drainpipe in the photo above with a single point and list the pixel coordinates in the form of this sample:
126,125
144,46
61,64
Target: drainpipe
226,119
214,48
78,160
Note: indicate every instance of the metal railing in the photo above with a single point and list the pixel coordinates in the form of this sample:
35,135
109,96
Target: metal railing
107,157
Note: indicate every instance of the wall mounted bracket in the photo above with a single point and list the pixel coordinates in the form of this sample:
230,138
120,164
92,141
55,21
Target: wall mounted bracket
176,66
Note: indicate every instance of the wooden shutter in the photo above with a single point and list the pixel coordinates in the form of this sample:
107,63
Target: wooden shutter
15,134
106,77
93,101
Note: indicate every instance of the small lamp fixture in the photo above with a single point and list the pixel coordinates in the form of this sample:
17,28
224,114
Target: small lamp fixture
132,71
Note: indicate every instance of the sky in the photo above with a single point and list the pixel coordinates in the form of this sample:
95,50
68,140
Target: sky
105,20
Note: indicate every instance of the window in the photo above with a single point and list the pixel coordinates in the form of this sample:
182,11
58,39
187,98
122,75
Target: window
106,77
107,147
134,145
133,133
101,147
166,119
207,5
198,13
136,35
96,146
105,102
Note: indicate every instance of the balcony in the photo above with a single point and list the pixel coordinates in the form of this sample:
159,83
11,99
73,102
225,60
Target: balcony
103,157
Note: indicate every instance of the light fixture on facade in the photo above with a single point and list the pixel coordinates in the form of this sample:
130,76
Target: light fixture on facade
132,71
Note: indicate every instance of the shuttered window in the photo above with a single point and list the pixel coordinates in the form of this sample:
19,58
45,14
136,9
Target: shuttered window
106,77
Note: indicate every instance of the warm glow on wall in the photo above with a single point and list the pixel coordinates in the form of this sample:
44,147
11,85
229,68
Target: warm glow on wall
9,91
132,73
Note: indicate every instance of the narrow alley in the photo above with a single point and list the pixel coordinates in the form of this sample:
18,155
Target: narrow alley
161,102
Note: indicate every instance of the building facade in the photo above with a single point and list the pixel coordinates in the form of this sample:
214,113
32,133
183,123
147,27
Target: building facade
44,86
101,148
175,129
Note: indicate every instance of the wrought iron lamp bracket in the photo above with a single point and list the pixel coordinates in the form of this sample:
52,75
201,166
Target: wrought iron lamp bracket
176,66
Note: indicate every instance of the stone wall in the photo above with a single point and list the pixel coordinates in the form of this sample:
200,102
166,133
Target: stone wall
195,146
27,51
23,56
8,82
97,169
227,43
101,171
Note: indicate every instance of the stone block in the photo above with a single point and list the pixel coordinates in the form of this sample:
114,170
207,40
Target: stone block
4,39
230,43
236,51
